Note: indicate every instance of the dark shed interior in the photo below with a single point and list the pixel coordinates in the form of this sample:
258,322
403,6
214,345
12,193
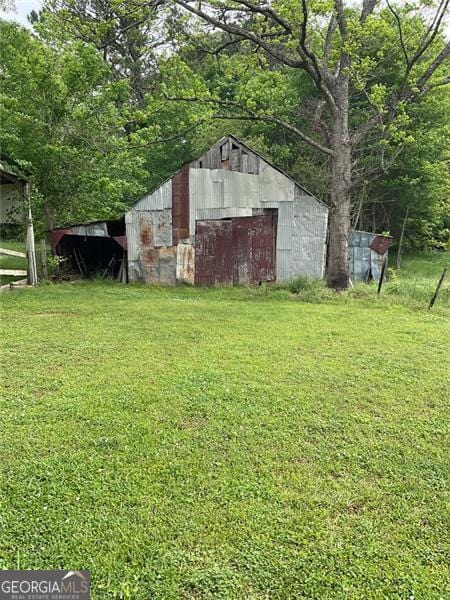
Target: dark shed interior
92,250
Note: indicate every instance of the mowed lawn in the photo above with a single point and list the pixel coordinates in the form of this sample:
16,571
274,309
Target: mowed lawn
193,443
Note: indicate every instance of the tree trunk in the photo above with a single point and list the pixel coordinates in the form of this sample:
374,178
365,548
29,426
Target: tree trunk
340,208
48,215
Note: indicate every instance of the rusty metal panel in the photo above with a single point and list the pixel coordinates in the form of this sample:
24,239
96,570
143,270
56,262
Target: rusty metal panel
238,250
180,205
121,240
156,265
213,253
56,235
381,243
253,249
148,232
154,228
185,263
302,220
167,265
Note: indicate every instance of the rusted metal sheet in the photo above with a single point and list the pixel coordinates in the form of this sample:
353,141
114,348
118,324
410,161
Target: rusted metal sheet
381,243
56,235
121,240
149,234
253,250
213,253
154,228
158,265
238,250
180,205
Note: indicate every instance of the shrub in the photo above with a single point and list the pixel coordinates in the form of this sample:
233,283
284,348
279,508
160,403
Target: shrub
300,284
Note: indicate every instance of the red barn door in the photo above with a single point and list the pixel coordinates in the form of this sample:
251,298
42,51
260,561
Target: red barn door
238,250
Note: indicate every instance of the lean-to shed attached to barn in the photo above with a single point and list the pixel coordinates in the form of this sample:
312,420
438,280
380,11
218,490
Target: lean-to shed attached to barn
229,217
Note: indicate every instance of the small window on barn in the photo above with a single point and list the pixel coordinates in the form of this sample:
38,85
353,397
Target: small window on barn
200,164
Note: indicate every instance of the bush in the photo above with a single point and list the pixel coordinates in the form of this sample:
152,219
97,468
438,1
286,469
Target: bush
300,284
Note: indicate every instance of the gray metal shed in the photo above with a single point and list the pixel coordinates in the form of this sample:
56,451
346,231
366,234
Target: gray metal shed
367,253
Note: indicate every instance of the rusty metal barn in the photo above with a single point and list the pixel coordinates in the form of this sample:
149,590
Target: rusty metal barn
228,217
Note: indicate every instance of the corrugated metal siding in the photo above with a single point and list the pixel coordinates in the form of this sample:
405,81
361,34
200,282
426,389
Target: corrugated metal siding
151,257
159,199
237,250
180,205
275,187
309,236
362,259
94,229
302,220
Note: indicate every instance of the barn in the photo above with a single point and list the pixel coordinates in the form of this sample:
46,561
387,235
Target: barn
228,217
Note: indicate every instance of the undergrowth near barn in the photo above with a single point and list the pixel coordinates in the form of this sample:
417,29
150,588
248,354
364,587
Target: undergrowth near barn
234,443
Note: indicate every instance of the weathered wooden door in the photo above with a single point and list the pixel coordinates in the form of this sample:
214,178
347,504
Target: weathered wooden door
238,250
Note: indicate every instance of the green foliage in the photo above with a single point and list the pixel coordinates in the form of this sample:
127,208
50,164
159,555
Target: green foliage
300,284
89,121
61,118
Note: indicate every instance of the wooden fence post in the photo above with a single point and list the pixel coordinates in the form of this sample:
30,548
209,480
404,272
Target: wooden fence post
380,283
435,295
31,255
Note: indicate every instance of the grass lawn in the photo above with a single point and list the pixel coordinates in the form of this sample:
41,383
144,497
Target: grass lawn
244,444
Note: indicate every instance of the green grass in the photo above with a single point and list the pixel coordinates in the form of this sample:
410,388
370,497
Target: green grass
244,444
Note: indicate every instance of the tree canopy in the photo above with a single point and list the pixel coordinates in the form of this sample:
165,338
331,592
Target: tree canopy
102,100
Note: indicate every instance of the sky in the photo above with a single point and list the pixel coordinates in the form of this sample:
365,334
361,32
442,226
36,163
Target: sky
23,8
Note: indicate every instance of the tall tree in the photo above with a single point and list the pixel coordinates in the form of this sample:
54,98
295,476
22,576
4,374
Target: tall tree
128,35
326,41
61,118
